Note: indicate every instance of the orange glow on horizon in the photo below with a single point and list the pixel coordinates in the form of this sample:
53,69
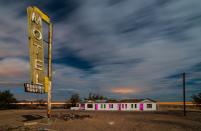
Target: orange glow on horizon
124,90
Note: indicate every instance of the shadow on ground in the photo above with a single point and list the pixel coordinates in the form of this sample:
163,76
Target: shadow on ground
32,117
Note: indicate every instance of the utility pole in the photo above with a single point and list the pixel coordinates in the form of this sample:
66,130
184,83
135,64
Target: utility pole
49,98
184,93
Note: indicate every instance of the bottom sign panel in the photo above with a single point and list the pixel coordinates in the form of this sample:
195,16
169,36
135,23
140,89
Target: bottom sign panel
34,88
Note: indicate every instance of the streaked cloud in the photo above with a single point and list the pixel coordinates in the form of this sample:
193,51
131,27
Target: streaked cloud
107,43
13,67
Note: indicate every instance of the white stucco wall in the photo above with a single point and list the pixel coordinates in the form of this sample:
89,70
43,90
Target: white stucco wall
129,107
149,109
86,108
116,107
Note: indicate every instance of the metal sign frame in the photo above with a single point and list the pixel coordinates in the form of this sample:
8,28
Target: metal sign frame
36,52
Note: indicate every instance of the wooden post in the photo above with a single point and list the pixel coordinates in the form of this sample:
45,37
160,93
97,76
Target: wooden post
49,71
184,93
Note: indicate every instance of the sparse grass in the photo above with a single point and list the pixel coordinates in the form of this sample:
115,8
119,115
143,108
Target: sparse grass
103,121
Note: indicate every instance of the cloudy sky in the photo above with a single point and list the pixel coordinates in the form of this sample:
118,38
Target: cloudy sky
116,48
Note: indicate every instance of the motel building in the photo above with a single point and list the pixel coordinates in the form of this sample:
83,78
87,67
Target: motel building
122,105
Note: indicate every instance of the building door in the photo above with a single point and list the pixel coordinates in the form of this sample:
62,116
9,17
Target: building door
119,106
96,106
141,107
82,106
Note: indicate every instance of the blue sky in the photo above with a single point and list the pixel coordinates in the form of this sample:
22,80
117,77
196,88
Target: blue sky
117,48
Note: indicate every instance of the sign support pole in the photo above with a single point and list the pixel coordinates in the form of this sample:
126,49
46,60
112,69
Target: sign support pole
49,98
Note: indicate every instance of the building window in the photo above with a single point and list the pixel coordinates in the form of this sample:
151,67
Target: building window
131,105
122,105
126,106
89,105
149,105
135,105
111,105
104,106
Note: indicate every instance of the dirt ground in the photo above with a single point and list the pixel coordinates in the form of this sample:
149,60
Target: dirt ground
25,120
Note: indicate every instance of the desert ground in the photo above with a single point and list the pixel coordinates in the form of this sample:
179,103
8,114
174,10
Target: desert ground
19,120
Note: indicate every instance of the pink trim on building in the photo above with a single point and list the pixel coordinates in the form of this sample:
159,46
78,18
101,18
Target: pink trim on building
126,105
96,106
141,107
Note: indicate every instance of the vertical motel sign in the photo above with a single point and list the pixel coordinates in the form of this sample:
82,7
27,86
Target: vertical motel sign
39,80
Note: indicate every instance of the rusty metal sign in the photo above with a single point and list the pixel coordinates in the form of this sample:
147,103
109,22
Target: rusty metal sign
33,88
36,47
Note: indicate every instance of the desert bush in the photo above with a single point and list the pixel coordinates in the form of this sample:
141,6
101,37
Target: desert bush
197,99
7,100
